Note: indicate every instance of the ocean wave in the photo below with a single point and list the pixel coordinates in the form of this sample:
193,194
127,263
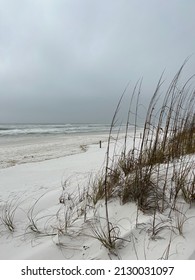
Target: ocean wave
52,129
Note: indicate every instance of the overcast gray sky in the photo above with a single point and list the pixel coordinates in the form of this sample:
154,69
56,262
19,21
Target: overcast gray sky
70,60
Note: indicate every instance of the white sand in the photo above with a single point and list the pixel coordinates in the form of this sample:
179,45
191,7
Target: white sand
34,185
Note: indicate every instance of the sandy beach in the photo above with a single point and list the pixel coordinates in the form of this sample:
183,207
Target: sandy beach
32,167
40,182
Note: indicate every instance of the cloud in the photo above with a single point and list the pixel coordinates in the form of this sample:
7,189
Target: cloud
60,55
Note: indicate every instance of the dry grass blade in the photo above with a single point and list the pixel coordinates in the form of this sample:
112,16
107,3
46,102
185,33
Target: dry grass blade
108,240
8,213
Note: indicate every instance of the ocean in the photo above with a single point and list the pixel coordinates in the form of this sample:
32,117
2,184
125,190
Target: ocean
53,129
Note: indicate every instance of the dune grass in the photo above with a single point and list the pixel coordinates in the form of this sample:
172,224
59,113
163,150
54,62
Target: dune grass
160,158
168,135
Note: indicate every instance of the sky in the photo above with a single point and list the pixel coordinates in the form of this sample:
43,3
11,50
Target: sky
65,61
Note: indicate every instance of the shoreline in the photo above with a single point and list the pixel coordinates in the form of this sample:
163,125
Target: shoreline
21,150
16,150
